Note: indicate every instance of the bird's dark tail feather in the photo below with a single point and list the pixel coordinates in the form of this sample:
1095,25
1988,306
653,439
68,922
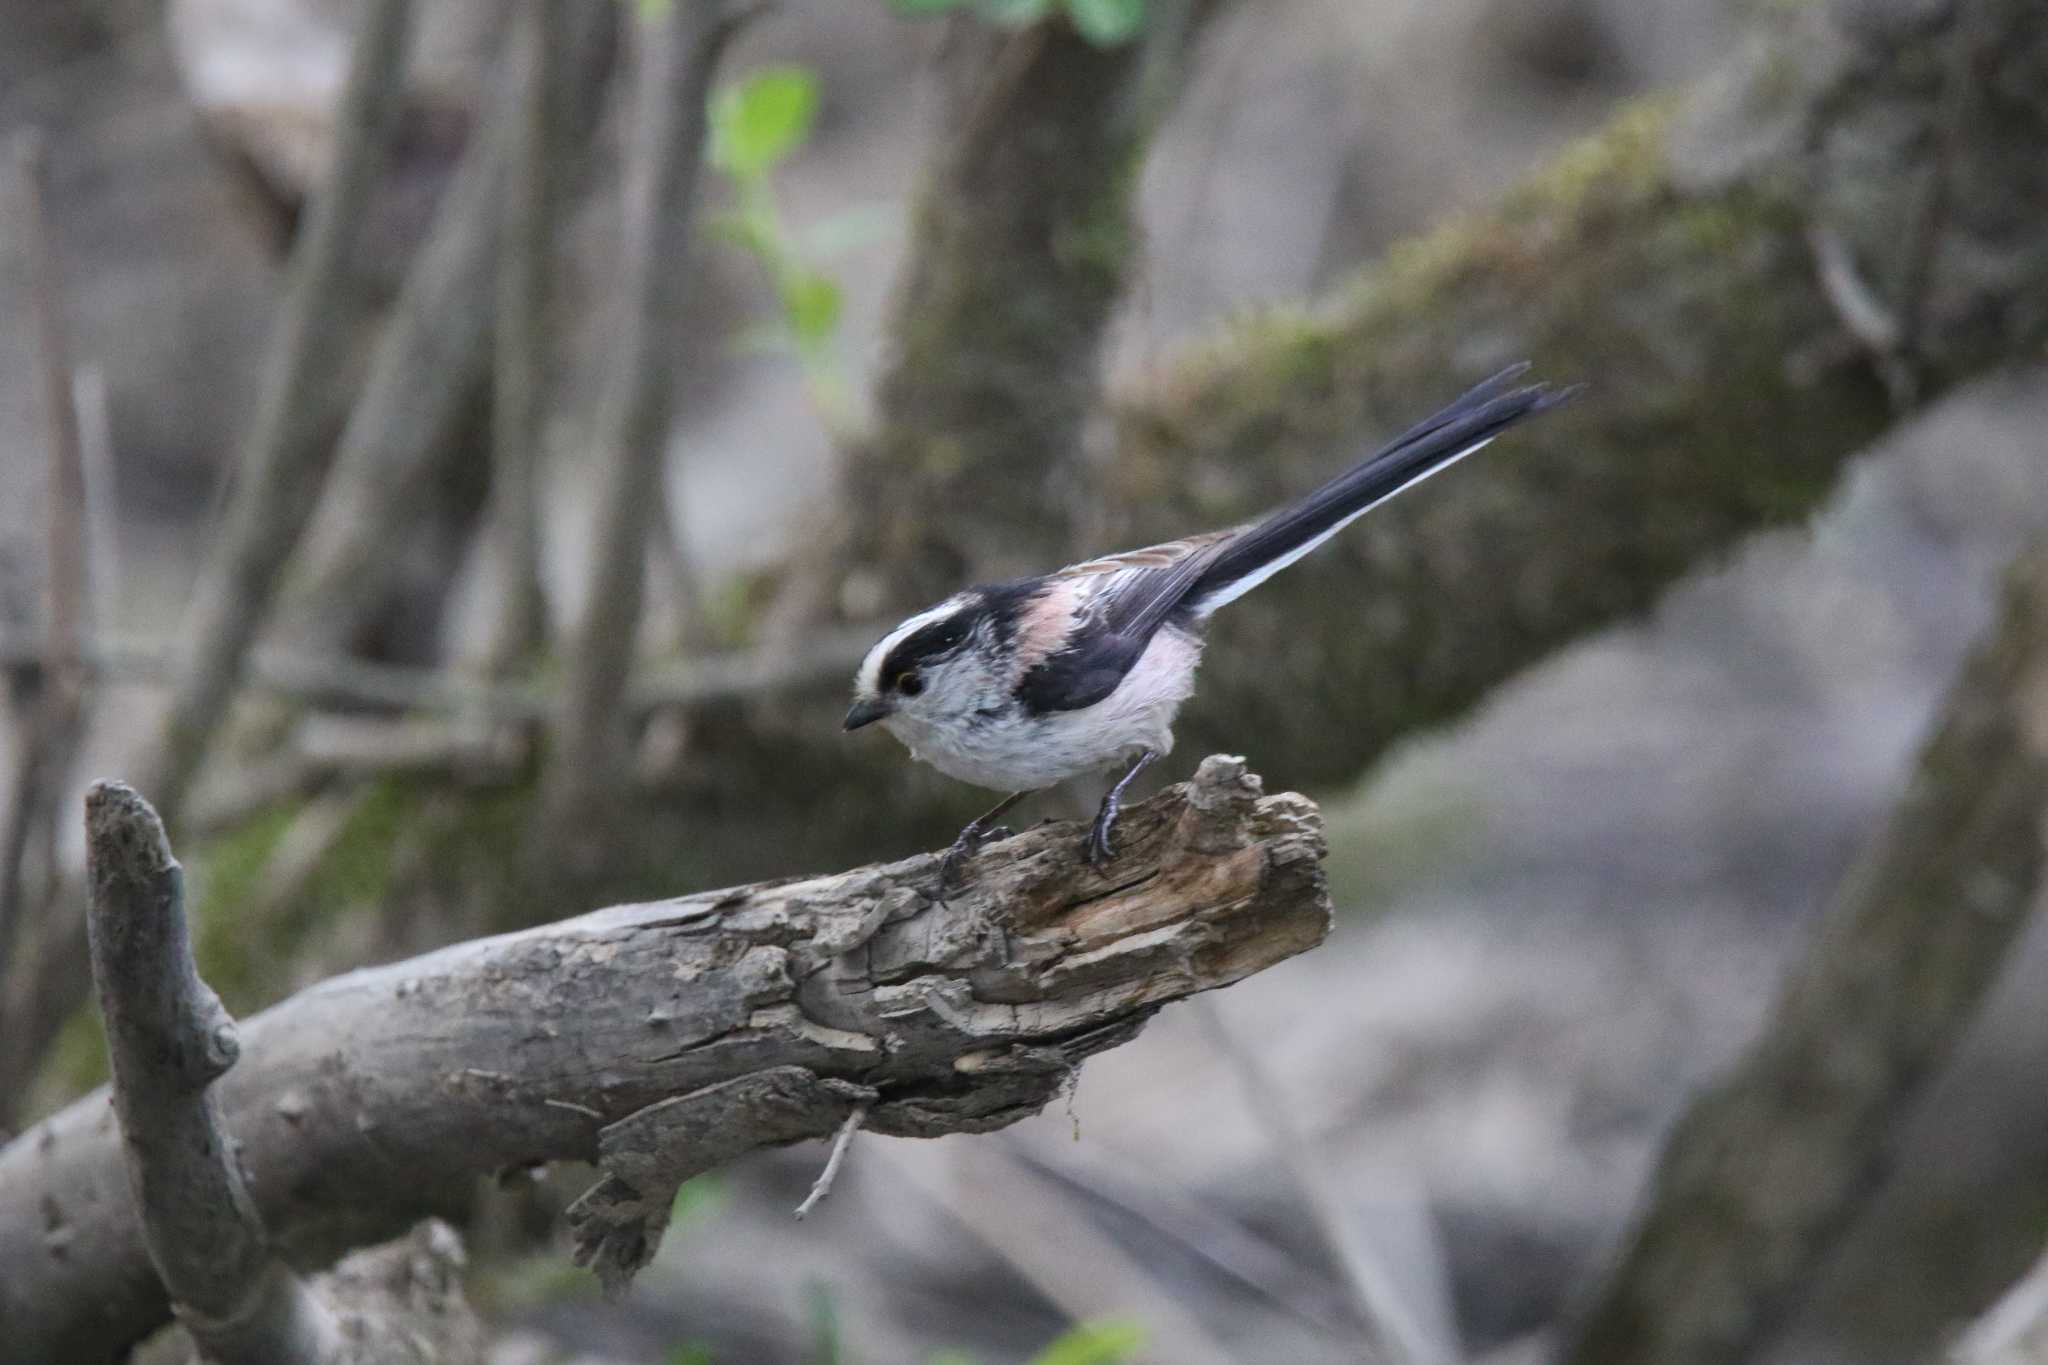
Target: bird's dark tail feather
1435,443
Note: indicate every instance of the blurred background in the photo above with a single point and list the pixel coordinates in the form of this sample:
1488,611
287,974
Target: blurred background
1565,902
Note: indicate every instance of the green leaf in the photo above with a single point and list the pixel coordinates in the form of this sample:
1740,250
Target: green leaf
918,9
1110,1342
1015,13
810,303
764,118
654,11
695,1353
1107,23
697,1200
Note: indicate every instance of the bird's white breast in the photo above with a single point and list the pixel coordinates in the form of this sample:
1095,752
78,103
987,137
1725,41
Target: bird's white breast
1017,751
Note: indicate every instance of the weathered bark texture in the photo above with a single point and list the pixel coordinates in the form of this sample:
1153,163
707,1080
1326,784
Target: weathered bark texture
1767,1168
169,1041
741,1017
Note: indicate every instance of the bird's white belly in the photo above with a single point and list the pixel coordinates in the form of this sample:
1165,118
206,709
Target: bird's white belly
1021,752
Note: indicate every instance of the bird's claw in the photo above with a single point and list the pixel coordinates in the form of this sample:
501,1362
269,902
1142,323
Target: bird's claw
1101,846
962,849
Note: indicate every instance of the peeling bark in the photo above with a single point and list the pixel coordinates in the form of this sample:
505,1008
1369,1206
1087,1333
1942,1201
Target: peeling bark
627,1037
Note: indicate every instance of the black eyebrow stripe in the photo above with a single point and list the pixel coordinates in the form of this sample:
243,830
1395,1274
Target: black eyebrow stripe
930,642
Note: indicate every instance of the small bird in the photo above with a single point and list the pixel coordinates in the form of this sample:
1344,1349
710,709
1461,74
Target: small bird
1016,686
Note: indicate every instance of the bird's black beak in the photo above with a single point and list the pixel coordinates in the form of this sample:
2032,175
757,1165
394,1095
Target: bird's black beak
865,713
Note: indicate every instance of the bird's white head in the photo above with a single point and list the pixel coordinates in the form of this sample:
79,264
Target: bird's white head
934,670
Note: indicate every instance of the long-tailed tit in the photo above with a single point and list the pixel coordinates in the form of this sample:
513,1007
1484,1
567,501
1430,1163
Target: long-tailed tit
1018,685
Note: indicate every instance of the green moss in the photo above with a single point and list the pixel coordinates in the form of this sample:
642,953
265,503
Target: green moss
1625,162
222,875
77,1062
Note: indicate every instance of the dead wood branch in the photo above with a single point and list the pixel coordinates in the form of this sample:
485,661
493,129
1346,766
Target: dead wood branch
659,1039
678,52
1769,1167
170,1040
284,463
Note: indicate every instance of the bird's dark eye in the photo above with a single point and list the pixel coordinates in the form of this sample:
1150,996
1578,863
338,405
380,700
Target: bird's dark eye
908,683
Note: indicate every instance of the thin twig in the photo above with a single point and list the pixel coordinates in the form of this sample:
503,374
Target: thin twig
518,382
1044,1233
1395,1334
45,763
169,1039
343,680
1928,216
432,358
284,463
679,50
822,1186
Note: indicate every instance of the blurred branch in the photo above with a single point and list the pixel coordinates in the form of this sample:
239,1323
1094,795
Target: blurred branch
518,379
662,1039
169,1040
284,463
49,743
1394,1333
1769,1167
678,51
343,680
2014,1331
1045,1234
435,352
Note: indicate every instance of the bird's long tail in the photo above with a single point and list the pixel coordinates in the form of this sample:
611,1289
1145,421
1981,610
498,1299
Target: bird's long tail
1434,444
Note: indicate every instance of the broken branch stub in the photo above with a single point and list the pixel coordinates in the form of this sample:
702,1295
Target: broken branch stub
655,1039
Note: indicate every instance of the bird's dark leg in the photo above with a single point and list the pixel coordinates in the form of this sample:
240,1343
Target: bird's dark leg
1101,848
978,829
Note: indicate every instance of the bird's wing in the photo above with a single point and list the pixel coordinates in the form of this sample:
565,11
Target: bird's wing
1131,593
1115,605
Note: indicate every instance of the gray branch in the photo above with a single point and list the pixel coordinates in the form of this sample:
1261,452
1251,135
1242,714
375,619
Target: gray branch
434,353
170,1040
1768,1167
678,52
653,1039
53,726
284,464
321,680
518,379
